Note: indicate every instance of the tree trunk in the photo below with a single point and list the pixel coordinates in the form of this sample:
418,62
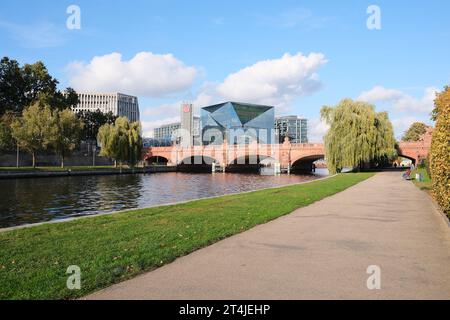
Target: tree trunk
62,161
34,160
17,156
115,163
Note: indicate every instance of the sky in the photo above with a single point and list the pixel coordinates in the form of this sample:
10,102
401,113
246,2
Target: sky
295,55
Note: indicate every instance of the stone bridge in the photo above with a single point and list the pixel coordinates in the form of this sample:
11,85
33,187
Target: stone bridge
416,151
230,156
288,155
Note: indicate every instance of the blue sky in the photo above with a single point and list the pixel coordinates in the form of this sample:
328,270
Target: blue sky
296,55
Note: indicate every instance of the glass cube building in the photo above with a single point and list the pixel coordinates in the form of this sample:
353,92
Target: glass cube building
239,123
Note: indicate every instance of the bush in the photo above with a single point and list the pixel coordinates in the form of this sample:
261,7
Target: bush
440,150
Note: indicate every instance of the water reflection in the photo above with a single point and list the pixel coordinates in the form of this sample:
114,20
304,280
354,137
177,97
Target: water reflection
43,199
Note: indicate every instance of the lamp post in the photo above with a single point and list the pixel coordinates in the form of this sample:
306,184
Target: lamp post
17,156
94,149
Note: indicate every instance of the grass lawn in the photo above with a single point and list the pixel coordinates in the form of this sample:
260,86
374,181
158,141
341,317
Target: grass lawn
112,248
426,184
56,168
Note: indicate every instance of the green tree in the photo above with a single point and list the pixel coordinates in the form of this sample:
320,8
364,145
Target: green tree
12,86
6,139
5,136
93,120
106,136
415,132
135,143
58,100
38,83
71,99
64,134
440,150
31,131
21,87
121,141
357,135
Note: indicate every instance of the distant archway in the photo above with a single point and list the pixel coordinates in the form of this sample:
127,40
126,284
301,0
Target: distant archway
247,163
305,164
156,160
196,164
409,158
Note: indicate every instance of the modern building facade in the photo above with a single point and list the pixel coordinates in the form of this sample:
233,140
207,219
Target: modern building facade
119,104
187,125
294,127
170,132
238,123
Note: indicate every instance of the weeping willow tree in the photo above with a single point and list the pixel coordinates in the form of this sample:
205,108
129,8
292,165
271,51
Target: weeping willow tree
121,141
357,135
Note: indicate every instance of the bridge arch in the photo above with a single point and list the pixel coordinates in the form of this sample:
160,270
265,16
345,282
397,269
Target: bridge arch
198,160
304,164
160,160
246,163
412,158
196,163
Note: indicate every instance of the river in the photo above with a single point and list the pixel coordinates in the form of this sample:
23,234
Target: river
26,201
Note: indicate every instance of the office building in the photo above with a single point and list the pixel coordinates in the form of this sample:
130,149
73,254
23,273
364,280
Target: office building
119,104
171,132
294,127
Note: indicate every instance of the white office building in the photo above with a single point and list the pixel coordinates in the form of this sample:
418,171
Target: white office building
119,104
169,132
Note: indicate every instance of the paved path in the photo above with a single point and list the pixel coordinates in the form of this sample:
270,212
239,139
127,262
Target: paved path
318,252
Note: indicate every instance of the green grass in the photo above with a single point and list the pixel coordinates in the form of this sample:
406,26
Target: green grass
112,248
426,184
56,168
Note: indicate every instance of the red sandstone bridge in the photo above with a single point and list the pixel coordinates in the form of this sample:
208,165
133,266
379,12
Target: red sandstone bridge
229,156
288,155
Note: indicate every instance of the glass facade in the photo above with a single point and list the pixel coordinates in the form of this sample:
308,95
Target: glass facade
292,126
169,132
166,131
239,123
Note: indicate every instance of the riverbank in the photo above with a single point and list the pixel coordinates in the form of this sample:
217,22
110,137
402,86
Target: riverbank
327,250
111,248
42,172
426,183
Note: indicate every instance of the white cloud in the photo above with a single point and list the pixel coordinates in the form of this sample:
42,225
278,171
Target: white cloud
146,74
424,104
42,35
399,100
379,93
317,130
276,81
173,109
402,124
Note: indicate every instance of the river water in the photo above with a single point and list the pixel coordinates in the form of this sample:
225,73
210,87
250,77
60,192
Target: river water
25,201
